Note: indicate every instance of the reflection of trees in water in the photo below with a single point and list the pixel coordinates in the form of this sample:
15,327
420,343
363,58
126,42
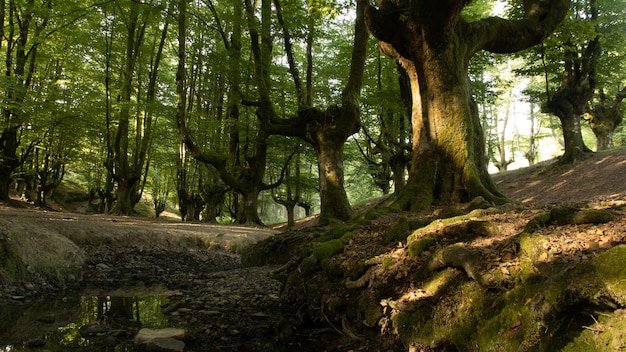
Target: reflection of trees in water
58,322
122,310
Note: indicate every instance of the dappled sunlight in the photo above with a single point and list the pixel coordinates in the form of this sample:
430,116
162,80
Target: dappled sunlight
497,255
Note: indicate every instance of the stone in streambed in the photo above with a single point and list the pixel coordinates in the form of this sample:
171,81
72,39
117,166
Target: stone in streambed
168,339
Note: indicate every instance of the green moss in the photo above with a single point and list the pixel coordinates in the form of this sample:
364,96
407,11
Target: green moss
327,249
323,251
593,216
332,269
371,310
374,213
532,247
510,320
387,262
414,327
440,281
335,232
611,271
566,215
308,265
419,223
462,313
563,215
415,248
538,222
397,233
607,332
11,266
483,228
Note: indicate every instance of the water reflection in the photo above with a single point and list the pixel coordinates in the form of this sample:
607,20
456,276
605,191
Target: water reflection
88,323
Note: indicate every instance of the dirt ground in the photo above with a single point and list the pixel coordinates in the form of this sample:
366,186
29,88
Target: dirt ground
597,177
229,308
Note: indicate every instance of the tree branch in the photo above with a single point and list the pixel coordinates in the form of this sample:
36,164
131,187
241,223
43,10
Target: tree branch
498,35
282,171
352,91
293,68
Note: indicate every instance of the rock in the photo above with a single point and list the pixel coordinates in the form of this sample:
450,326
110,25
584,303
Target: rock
168,339
48,319
93,329
110,341
102,266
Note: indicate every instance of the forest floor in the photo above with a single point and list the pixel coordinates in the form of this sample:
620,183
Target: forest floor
225,307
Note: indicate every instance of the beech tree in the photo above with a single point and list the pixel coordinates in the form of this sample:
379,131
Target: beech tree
604,117
23,28
434,44
134,124
326,130
243,173
580,53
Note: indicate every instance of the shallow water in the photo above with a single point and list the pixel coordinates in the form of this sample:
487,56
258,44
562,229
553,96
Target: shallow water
81,323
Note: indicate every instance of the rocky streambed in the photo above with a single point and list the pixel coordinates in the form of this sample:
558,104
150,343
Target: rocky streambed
75,283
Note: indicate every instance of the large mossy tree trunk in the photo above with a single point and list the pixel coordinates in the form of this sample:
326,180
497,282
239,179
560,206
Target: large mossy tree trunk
434,45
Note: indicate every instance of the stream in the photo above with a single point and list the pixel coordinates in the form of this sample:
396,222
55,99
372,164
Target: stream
79,323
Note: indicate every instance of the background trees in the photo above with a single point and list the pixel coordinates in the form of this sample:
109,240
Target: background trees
574,63
275,94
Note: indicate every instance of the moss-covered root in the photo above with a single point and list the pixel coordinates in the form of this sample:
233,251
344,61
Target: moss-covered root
566,215
538,314
456,256
541,313
607,333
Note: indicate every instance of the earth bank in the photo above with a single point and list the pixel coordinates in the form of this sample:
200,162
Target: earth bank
495,279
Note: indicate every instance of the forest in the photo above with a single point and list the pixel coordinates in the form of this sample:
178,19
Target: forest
393,127
265,111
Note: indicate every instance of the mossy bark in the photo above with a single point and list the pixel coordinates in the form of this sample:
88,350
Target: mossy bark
434,44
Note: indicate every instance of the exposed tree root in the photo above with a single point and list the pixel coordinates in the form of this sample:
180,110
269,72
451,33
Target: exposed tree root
459,257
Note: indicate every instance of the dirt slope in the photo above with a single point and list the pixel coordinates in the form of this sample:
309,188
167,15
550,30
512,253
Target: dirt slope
597,177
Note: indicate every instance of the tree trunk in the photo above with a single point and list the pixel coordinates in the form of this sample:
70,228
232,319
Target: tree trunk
434,45
398,164
568,104
573,137
605,117
448,164
248,211
124,204
332,191
213,196
291,219
8,160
